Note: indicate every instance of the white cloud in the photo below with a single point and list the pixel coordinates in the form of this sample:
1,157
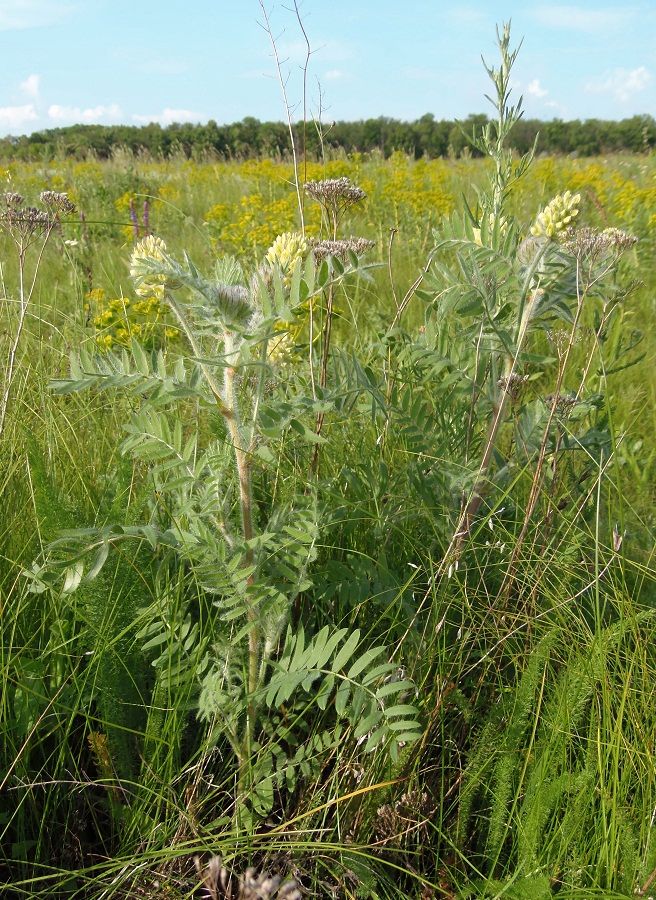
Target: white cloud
621,83
15,117
168,116
578,18
30,86
465,15
93,114
19,14
535,89
333,74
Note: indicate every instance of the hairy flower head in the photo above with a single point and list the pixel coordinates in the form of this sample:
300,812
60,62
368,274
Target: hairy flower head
149,250
557,215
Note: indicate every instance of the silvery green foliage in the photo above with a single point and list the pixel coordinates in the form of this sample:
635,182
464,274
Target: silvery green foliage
248,564
499,291
229,301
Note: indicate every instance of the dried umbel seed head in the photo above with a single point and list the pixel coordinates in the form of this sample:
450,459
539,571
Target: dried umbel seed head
57,202
562,403
557,215
13,200
219,884
332,191
513,385
27,222
387,823
589,243
341,249
618,239
409,813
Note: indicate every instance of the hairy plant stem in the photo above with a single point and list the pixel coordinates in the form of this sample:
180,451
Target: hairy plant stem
323,372
536,484
242,462
226,401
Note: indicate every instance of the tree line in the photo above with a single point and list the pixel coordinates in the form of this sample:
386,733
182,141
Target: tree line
250,138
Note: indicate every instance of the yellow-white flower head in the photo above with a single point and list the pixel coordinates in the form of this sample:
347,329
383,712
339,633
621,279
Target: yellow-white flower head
557,215
148,284
286,250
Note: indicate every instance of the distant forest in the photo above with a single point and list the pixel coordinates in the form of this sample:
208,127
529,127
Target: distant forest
426,136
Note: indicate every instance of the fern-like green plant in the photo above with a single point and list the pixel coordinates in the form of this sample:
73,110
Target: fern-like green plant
537,775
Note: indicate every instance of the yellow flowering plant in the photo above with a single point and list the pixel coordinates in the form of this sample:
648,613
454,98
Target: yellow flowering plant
117,321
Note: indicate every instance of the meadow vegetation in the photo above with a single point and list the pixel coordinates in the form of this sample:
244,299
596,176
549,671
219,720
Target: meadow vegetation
327,546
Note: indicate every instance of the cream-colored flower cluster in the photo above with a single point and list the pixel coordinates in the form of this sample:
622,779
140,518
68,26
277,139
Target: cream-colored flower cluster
148,284
286,250
284,253
557,215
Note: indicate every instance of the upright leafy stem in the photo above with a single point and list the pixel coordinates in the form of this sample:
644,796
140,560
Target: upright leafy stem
499,290
251,574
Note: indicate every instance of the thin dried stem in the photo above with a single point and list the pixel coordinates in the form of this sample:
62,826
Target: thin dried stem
288,111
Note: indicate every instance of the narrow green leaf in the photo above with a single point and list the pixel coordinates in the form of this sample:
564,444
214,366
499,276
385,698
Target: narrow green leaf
346,652
366,659
367,724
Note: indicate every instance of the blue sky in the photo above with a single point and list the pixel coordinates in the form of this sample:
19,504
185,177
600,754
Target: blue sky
135,61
